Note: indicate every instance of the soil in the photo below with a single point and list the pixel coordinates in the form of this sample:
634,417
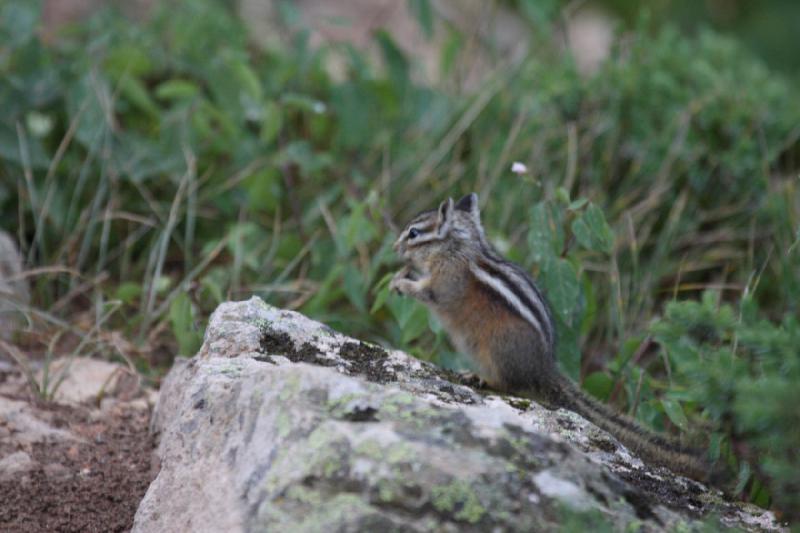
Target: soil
94,485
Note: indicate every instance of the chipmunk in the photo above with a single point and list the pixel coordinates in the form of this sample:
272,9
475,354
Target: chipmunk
494,312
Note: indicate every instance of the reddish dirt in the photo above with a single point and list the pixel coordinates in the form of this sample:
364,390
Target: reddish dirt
94,485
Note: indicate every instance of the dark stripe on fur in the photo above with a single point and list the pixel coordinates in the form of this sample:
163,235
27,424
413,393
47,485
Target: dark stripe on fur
545,321
492,296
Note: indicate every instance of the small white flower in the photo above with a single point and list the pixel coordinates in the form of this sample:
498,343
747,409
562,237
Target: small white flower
518,168
39,124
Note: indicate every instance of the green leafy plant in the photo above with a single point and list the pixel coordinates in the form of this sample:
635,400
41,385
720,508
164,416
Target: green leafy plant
741,372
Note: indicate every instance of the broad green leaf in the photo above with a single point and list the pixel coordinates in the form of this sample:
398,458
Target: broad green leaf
355,108
599,384
434,324
411,316
569,354
450,51
592,231
743,477
560,282
545,234
715,446
247,79
85,101
395,60
382,293
128,291
562,195
128,60
162,284
271,123
303,155
264,190
416,325
675,413
357,228
576,205
177,90
354,287
212,284
134,90
181,317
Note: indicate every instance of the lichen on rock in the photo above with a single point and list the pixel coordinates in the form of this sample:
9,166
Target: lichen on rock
280,423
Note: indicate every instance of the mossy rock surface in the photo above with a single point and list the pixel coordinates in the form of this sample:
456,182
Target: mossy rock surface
281,424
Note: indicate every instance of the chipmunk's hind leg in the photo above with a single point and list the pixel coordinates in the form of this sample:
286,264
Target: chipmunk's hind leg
522,363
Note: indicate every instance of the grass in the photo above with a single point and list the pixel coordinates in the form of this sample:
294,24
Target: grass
150,172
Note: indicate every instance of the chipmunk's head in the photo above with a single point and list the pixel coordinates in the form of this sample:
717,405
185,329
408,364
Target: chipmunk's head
454,228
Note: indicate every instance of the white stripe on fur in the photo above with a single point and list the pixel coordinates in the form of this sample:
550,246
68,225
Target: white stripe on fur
501,290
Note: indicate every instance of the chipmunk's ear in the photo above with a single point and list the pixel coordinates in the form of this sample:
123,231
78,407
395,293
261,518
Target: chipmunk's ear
444,217
469,203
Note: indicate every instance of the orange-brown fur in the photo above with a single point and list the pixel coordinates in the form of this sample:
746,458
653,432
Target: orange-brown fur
479,321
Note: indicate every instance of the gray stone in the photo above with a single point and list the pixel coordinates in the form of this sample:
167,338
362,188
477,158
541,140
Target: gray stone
281,424
13,288
21,424
14,465
87,380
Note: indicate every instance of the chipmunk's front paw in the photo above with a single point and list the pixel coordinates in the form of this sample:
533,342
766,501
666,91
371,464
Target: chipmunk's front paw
401,284
398,278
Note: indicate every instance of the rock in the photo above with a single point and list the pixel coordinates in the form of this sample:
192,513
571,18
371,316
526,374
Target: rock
13,288
280,423
14,465
22,424
88,380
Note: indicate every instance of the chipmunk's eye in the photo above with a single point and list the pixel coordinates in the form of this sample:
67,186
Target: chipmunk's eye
413,233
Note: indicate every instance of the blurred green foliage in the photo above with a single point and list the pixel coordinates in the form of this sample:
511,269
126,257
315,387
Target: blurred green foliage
170,165
767,28
742,372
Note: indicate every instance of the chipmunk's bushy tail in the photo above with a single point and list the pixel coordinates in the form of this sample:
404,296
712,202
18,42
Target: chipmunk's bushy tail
650,446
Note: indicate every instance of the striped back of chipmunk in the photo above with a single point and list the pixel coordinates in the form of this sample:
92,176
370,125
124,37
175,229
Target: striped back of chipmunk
513,286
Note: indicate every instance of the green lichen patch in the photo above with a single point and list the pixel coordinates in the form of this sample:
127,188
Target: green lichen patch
262,323
458,499
522,404
232,368
353,408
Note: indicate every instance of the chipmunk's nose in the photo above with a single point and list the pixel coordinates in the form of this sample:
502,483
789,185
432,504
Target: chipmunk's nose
396,246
